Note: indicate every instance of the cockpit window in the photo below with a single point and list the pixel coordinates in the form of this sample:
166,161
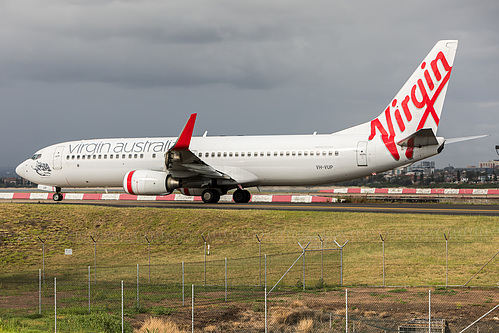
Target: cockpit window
36,156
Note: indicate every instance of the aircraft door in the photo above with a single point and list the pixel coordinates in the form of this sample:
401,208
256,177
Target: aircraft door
58,158
362,153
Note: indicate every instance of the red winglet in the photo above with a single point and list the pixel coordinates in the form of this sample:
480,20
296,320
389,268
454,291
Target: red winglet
184,139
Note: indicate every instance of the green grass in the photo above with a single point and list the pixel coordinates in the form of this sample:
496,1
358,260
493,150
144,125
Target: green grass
414,247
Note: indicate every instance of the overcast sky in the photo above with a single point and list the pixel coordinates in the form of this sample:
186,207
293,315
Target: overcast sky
83,69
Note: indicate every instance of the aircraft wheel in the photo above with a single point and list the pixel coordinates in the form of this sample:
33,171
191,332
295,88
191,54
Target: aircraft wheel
58,196
241,196
210,196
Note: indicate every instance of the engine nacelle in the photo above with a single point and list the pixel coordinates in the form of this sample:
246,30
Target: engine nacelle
149,182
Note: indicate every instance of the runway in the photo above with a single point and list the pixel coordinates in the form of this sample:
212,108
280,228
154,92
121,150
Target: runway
393,208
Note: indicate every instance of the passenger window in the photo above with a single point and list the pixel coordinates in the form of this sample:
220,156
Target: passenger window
323,153
281,153
105,157
293,153
242,154
262,153
100,157
200,154
95,156
311,153
287,153
330,153
130,156
135,156
219,154
299,153
236,154
230,154
141,155
73,157
78,157
123,156
275,153
206,154
153,155
336,153
225,154
67,157
212,154
82,157
305,153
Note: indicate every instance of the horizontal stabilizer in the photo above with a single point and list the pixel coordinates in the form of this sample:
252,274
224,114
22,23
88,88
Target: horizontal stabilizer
421,138
465,138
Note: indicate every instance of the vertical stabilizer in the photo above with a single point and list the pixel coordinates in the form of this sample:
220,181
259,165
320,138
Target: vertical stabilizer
419,103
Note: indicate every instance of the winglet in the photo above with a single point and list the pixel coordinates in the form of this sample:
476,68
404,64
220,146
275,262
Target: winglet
184,139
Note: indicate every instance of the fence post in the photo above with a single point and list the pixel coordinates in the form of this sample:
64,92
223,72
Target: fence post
383,242
122,312
260,256
192,323
204,259
446,259
183,286
341,260
303,249
429,311
226,279
55,304
149,256
95,259
39,291
346,310
265,293
43,257
88,289
322,258
138,304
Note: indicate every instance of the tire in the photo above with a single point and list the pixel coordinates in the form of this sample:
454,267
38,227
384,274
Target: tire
210,196
241,196
57,196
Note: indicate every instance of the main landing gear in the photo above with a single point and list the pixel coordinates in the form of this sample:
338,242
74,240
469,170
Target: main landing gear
213,196
241,196
58,195
210,196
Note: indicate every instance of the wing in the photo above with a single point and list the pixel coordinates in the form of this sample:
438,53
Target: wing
181,163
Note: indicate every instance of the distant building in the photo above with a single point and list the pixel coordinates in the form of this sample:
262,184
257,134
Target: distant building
489,165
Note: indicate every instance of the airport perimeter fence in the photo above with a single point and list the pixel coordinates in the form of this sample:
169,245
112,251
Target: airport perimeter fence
222,306
229,294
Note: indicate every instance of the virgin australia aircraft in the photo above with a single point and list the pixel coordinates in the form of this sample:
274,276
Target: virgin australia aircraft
405,132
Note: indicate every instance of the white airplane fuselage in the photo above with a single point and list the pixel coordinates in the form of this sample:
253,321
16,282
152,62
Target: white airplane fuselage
252,160
405,132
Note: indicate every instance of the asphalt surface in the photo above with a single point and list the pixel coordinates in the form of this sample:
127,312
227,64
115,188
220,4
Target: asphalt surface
394,208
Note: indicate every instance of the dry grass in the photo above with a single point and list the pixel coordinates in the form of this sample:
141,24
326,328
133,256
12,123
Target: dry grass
305,325
159,325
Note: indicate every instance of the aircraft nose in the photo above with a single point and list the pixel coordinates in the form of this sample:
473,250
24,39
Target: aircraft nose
21,169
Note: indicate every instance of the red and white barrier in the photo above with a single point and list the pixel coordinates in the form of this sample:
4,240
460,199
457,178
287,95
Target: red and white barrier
170,197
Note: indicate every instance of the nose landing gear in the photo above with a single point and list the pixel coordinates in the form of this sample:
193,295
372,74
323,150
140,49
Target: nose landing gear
58,196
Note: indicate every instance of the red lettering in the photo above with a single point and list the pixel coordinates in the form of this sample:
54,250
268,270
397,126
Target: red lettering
407,113
434,67
388,140
400,122
424,94
429,81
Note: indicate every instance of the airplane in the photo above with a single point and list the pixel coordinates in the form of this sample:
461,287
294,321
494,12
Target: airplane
210,166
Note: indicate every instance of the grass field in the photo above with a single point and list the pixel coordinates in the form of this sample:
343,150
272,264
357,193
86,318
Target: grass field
414,250
414,246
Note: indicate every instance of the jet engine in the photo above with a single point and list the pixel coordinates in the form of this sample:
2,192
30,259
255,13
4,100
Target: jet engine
149,182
